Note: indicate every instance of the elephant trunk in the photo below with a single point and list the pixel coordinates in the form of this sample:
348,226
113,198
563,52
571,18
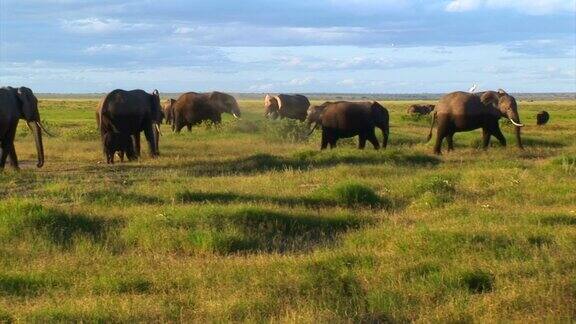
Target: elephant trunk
518,138
37,131
313,128
515,119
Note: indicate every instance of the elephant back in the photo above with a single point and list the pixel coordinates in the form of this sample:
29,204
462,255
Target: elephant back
348,116
293,106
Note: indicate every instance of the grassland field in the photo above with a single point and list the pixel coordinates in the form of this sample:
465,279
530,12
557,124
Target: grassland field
249,221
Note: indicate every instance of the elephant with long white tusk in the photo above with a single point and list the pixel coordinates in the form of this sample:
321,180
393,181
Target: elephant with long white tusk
193,108
286,106
16,104
462,111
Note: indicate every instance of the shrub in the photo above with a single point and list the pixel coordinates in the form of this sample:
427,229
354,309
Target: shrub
478,281
356,194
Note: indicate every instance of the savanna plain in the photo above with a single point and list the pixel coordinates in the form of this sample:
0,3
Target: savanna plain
250,221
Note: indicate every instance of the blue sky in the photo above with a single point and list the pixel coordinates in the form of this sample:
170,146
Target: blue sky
360,46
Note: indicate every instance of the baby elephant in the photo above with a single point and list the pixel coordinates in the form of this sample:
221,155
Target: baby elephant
118,142
542,118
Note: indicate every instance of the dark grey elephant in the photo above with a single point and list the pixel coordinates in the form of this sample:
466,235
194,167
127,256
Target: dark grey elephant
16,104
463,111
286,106
193,108
347,119
123,114
542,118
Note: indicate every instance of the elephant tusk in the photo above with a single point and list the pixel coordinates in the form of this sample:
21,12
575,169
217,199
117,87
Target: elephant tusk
312,130
158,129
235,116
515,123
44,129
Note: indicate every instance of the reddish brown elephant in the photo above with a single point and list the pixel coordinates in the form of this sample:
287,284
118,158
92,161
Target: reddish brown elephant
463,111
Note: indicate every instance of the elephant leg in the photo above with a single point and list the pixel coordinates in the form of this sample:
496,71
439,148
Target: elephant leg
149,133
13,157
439,138
189,126
333,141
385,133
374,140
324,142
362,141
121,156
485,138
450,140
136,140
3,156
498,134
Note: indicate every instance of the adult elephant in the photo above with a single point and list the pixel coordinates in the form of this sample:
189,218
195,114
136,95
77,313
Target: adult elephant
542,118
462,111
16,104
286,106
126,114
347,119
167,108
192,108
420,109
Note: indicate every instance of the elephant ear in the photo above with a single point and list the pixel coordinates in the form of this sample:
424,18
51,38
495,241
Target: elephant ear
29,104
490,98
218,100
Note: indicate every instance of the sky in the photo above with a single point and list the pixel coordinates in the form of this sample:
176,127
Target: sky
336,46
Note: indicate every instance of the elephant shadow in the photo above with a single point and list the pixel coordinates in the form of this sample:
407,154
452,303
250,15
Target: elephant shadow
258,163
258,230
62,229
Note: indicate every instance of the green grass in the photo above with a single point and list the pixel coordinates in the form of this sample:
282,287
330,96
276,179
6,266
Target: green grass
249,221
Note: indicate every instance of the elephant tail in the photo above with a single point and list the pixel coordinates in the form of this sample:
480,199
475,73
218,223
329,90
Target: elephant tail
102,118
431,127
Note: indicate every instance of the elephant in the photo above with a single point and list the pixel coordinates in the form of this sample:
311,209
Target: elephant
420,109
118,143
347,119
168,111
192,108
542,118
286,106
126,114
16,104
463,111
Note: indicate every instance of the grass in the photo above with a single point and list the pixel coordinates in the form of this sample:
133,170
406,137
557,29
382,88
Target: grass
249,221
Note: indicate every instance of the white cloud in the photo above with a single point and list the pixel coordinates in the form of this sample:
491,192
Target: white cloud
463,5
100,25
111,48
533,7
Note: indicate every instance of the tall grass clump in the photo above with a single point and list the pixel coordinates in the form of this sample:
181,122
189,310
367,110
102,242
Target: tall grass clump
286,130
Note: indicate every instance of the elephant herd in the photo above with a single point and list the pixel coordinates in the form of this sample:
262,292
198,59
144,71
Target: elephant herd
122,115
